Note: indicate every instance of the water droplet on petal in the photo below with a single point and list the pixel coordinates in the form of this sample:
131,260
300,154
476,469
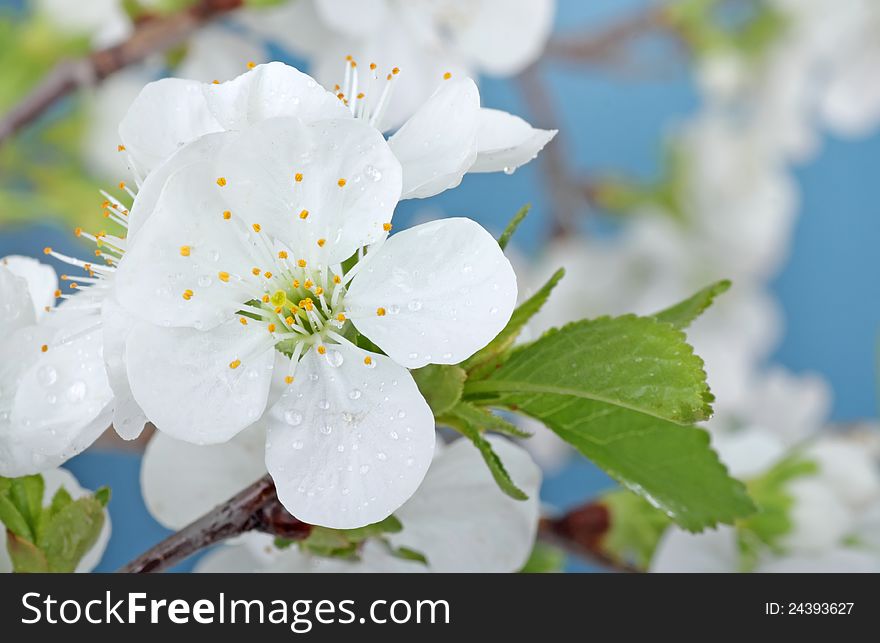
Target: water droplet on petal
324,405
47,375
415,305
354,394
292,417
76,392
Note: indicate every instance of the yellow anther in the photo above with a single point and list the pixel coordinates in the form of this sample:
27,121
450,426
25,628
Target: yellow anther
223,276
340,317
308,284
97,253
395,71
251,64
373,66
301,263
257,227
278,310
288,380
77,232
322,350
267,275
105,204
255,272
122,185
389,77
310,305
368,360
185,251
298,177
337,279
187,294
290,321
360,95
242,321
271,328
74,285
57,293
296,283
341,183
447,75
380,311
387,227
47,250
120,148
282,254
265,299
321,242
340,96
349,58
304,214
221,181
234,364
44,348
227,215
215,82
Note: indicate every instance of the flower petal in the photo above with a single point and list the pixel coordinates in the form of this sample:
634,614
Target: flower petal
41,280
17,307
504,36
505,141
184,246
712,551
183,380
354,18
349,184
462,522
128,417
440,306
348,442
270,91
59,399
182,481
438,144
166,115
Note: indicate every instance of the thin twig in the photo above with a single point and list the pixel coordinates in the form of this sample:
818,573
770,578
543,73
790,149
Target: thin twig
150,37
256,508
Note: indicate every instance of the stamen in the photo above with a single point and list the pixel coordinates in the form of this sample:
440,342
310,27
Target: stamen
187,294
298,177
227,215
304,214
221,181
341,183
185,251
235,364
380,311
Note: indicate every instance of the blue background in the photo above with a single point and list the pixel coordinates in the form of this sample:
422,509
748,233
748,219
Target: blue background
828,287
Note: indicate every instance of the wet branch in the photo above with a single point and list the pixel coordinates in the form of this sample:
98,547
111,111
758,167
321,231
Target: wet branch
151,36
581,532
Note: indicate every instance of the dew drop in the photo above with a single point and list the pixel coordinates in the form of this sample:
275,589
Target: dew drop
414,305
205,280
292,417
47,375
335,359
297,445
509,170
354,394
76,392
324,405
364,468
326,429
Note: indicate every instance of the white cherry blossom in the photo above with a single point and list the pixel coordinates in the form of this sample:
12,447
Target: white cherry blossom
448,136
493,37
241,259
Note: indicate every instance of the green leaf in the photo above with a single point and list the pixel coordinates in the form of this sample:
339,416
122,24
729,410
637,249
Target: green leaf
635,363
635,528
441,385
71,533
484,361
103,495
14,521
671,466
513,225
25,556
26,494
406,553
343,543
544,559
458,419
682,314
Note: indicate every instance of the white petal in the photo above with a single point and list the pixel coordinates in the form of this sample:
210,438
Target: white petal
837,560
183,381
504,36
447,290
17,307
819,518
154,274
270,91
128,417
61,400
713,551
216,52
261,166
166,115
202,150
41,280
348,442
181,482
462,522
505,141
848,469
438,145
355,18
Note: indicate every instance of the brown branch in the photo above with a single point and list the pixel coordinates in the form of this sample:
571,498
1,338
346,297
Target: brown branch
599,45
256,508
581,532
150,37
